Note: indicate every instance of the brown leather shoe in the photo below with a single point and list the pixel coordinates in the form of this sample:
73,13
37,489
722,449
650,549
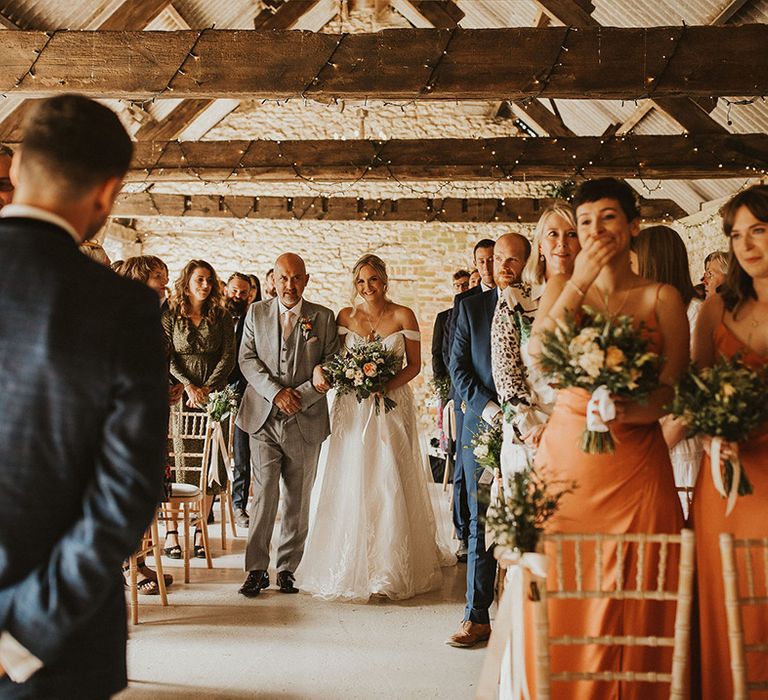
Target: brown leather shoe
469,634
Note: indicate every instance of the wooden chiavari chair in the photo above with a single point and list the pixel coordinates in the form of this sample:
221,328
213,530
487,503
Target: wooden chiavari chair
736,602
150,544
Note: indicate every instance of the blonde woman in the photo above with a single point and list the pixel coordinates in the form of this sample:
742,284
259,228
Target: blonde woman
519,384
374,530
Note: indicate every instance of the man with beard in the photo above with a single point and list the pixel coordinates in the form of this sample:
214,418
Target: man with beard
237,293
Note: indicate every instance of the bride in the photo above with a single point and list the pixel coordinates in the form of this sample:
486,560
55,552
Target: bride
374,529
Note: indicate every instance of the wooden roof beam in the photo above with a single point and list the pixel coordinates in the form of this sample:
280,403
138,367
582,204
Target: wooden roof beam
445,209
497,159
480,64
285,16
132,15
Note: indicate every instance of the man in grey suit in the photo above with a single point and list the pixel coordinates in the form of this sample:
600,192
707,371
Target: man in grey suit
83,416
286,415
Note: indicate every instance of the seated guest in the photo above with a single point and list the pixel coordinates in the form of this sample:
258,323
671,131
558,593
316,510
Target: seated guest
474,279
269,287
153,272
201,336
95,252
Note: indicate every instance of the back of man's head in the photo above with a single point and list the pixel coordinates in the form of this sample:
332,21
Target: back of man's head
73,143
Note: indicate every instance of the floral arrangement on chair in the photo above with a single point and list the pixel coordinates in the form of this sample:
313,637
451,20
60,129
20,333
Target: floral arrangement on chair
222,404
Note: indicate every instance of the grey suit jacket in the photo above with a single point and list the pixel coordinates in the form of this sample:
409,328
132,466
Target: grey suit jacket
259,356
83,422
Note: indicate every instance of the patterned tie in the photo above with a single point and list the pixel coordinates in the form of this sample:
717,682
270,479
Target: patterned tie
286,321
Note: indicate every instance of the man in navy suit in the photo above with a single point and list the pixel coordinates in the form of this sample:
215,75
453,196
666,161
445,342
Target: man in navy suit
473,384
83,416
483,259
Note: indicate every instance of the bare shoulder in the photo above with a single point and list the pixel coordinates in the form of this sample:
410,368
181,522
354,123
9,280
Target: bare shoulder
405,316
344,315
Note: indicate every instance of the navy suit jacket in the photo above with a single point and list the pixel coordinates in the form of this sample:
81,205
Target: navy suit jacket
83,423
471,353
450,326
439,366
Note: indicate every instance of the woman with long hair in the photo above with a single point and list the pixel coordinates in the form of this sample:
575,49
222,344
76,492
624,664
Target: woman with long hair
374,530
201,336
733,322
522,389
659,254
631,490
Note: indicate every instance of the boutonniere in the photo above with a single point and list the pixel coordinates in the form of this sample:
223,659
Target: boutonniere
307,329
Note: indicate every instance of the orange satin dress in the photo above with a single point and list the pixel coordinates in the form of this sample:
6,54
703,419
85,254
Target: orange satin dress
631,490
749,519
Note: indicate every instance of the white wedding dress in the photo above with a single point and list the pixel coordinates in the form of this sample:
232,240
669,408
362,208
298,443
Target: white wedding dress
373,531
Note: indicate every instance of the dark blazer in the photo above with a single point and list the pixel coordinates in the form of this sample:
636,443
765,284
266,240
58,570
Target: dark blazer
471,353
83,422
236,376
450,329
439,367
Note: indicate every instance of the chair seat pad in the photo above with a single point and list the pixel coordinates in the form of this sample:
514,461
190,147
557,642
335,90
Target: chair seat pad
184,491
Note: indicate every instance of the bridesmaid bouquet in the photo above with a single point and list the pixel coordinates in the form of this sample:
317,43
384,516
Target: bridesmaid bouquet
606,355
364,370
727,402
221,404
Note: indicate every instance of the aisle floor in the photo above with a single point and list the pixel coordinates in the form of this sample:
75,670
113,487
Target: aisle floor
213,643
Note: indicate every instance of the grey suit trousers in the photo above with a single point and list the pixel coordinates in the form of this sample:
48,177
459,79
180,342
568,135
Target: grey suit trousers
280,457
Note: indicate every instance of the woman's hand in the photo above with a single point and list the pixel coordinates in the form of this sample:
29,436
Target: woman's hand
596,253
319,380
175,392
674,429
197,396
728,450
533,437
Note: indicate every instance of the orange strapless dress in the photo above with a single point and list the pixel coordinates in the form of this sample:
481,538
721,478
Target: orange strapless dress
749,519
631,490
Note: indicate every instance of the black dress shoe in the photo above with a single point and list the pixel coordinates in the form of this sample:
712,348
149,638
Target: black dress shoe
285,580
255,581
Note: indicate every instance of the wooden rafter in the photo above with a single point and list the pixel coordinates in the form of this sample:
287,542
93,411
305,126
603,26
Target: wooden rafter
404,64
728,11
535,111
285,16
132,15
516,158
441,14
174,123
449,209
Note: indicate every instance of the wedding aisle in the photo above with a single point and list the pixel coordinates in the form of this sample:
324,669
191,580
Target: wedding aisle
212,643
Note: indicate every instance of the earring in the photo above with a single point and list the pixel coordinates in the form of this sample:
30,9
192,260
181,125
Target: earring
541,258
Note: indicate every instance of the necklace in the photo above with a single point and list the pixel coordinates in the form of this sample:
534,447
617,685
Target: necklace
373,335
605,301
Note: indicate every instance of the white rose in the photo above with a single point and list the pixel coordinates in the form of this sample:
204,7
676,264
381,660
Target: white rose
481,451
592,362
350,374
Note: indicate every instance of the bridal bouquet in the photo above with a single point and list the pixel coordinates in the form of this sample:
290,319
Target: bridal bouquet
607,356
364,370
222,403
727,402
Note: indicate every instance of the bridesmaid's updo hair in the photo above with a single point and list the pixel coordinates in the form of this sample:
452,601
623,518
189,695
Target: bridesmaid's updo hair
379,267
611,188
535,269
738,285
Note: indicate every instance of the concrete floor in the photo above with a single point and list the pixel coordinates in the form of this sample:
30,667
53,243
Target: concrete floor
213,643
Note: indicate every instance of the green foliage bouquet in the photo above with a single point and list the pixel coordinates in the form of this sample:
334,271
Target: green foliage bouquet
517,518
727,402
441,387
486,446
222,403
606,355
364,370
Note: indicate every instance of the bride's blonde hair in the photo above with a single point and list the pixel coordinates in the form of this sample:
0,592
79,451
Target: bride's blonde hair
379,267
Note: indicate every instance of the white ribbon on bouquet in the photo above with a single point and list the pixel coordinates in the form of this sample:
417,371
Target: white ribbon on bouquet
509,631
218,449
600,410
717,475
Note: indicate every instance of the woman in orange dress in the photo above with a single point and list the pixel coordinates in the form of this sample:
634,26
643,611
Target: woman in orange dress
734,321
631,490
